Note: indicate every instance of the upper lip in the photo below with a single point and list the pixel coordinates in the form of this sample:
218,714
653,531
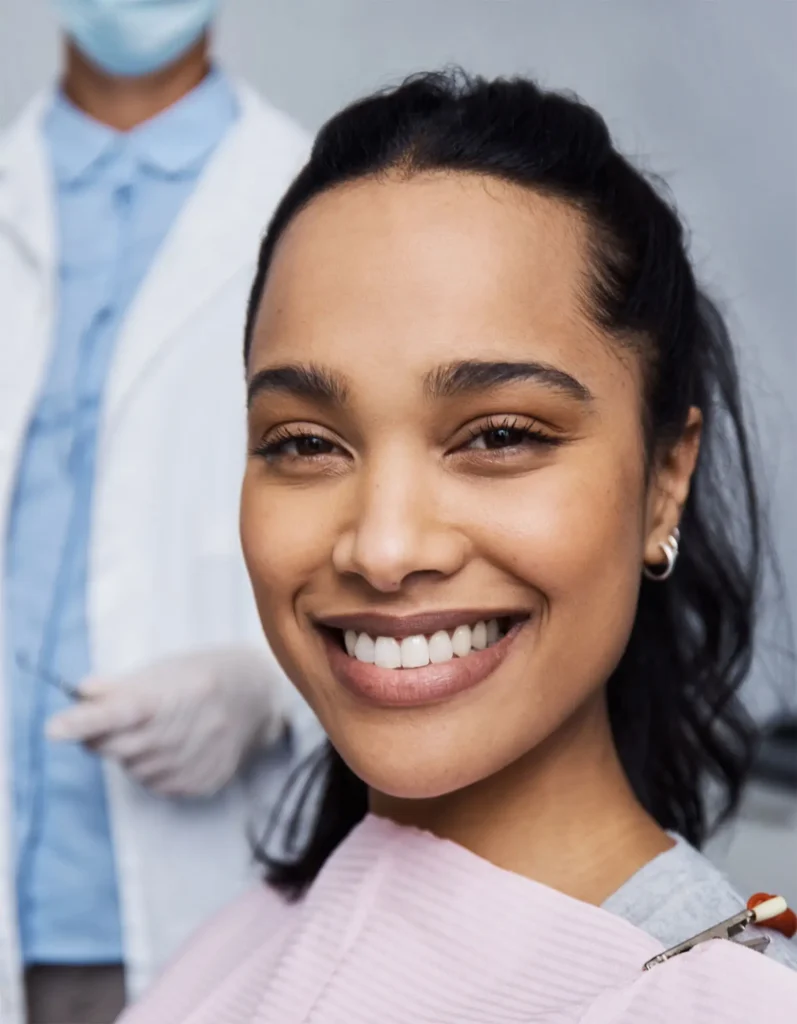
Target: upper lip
416,624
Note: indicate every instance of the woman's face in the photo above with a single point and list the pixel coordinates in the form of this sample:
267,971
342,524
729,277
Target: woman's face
445,512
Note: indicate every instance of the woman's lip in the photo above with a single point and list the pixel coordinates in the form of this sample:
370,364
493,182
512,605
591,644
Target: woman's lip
415,687
419,624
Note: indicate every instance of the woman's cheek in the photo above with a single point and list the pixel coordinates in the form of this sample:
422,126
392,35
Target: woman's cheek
587,565
275,549
273,541
563,530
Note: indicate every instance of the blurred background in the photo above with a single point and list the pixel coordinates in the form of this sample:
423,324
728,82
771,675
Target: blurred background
703,92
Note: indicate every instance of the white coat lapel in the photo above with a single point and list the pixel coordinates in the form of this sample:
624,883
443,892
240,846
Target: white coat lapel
26,190
216,235
26,298
27,277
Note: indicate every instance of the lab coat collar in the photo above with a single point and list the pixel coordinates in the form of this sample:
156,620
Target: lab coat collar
216,238
25,184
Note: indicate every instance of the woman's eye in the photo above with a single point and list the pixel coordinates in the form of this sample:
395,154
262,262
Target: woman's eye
295,446
306,447
502,436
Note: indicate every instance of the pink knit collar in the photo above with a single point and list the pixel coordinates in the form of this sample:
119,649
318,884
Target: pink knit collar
416,922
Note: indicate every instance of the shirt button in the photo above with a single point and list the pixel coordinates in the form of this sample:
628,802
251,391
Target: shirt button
124,193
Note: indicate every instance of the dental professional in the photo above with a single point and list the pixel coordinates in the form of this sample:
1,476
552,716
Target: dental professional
132,200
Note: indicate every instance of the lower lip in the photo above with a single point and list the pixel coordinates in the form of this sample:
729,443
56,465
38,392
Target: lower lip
415,687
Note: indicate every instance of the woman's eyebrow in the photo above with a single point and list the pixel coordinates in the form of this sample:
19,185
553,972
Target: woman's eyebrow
476,375
321,385
308,381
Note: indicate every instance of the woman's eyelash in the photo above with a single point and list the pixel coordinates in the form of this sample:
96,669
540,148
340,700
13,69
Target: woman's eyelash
515,433
276,443
511,425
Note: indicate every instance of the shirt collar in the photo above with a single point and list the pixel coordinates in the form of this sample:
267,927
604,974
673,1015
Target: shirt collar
78,143
172,143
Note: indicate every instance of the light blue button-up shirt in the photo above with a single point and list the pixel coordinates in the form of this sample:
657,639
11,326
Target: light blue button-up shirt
117,195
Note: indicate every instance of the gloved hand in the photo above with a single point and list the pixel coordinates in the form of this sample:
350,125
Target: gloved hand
183,726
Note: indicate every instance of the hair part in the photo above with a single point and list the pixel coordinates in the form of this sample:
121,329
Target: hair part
673,700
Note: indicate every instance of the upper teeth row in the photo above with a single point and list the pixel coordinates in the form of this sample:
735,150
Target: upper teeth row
417,651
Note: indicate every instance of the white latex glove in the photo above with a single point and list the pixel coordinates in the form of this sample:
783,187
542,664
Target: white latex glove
183,726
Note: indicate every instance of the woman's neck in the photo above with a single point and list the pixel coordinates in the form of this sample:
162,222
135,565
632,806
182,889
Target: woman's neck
564,815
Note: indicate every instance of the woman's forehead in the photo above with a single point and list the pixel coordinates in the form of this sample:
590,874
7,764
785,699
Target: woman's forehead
438,240
424,272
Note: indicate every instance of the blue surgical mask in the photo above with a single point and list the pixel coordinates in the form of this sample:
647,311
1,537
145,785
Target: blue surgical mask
134,37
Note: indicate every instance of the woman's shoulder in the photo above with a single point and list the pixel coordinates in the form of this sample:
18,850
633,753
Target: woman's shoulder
246,929
250,920
718,981
680,893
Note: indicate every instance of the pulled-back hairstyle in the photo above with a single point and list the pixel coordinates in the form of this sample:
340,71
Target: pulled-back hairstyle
673,699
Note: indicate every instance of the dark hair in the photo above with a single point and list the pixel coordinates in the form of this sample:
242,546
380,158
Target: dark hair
676,717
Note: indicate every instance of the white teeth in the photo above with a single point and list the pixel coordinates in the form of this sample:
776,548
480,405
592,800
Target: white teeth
440,648
364,649
414,652
461,641
418,651
387,652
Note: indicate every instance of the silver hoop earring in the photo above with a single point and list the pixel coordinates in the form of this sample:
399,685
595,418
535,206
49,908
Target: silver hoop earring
670,547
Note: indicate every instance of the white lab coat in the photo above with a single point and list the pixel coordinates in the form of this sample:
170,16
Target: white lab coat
166,574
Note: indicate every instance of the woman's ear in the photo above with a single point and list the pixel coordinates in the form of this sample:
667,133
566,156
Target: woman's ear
669,487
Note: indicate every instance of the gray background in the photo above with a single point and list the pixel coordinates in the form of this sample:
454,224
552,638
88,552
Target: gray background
703,92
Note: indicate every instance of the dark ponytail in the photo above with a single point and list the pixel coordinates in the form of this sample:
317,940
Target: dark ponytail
673,699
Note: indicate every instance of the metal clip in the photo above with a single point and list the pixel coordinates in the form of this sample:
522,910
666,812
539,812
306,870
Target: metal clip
724,930
759,944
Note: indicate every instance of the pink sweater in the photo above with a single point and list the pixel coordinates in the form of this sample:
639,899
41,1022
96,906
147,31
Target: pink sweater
405,928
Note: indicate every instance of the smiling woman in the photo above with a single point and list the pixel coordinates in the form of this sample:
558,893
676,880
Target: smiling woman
497,478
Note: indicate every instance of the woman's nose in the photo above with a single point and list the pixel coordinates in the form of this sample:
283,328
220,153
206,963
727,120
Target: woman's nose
397,532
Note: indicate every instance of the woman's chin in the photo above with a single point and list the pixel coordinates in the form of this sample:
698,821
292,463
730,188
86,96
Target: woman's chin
411,771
